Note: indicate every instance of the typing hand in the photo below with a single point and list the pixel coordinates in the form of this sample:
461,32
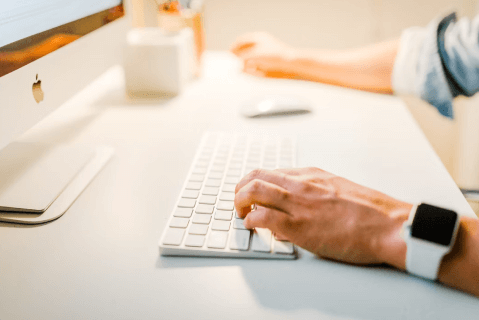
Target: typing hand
264,55
325,214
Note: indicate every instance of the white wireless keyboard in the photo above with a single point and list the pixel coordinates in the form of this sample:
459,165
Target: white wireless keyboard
204,221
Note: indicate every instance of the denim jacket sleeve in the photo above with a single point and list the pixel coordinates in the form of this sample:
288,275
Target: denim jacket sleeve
439,62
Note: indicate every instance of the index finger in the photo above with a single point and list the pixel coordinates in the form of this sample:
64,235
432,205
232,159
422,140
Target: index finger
264,194
278,178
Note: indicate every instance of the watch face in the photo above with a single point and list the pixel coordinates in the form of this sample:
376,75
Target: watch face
434,224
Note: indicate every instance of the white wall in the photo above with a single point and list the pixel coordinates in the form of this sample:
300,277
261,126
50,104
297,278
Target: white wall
322,23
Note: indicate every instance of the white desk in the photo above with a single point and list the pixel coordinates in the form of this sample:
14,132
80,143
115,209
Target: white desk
100,260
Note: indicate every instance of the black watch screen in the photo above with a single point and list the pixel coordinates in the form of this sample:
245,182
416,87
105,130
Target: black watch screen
434,224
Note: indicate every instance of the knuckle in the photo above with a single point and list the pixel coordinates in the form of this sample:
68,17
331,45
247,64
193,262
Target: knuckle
252,175
315,170
307,186
296,221
254,187
285,195
256,184
256,172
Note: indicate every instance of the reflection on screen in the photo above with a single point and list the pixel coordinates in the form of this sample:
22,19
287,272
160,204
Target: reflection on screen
31,29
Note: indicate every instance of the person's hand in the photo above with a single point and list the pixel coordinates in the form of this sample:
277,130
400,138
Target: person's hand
264,55
325,214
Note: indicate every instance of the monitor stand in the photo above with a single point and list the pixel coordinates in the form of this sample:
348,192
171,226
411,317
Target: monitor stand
38,183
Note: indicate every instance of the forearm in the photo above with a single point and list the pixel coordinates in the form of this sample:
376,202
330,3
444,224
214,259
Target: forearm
460,268
369,68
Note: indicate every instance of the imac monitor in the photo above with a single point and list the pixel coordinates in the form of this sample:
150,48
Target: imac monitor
49,50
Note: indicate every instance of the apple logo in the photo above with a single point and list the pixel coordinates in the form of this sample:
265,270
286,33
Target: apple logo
37,90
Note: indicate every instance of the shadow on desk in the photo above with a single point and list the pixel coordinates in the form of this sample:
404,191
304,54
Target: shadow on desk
118,98
340,290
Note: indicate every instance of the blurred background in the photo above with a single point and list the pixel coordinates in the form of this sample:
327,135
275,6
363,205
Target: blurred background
340,24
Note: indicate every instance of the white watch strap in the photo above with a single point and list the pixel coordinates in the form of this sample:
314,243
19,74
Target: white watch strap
423,258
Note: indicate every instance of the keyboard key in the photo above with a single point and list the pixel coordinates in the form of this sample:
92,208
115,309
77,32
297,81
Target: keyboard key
261,240
228,196
239,239
225,205
269,163
232,180
229,188
237,161
215,175
201,218
213,183
270,158
217,239
210,191
183,212
269,166
194,240
238,224
202,164
235,165
206,156
199,170
198,229
217,168
193,185
221,157
219,162
236,214
174,236
283,247
233,173
220,225
179,222
284,164
253,156
207,200
197,177
223,215
286,157
204,208
190,194
186,203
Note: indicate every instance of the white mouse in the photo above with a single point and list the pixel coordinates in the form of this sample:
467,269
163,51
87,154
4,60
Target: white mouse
274,105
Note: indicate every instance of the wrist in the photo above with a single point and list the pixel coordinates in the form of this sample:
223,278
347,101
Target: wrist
392,249
459,266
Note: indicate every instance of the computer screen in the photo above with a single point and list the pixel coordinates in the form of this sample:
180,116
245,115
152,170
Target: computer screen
31,29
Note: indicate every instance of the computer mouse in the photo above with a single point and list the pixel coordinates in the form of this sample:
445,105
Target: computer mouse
274,105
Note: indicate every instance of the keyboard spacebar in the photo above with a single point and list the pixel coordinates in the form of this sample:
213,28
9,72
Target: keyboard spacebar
261,240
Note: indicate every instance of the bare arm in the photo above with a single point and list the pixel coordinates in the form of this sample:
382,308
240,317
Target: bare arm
369,68
338,219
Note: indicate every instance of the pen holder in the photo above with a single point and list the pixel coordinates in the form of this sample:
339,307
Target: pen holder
156,62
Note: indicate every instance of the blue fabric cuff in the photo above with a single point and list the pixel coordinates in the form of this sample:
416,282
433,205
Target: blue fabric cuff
434,86
419,68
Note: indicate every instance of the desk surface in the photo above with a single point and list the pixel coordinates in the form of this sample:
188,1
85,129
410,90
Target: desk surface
100,260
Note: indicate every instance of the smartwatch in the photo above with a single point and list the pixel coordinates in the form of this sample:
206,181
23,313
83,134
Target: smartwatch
429,233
